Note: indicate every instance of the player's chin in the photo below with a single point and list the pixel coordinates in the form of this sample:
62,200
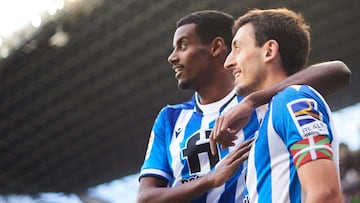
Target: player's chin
240,90
182,84
243,90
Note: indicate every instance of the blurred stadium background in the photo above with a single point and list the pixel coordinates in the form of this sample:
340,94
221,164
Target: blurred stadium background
81,82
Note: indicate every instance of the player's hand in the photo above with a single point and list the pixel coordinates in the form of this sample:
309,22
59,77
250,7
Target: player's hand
227,125
227,167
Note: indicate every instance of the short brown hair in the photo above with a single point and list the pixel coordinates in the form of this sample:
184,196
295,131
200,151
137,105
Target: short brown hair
287,28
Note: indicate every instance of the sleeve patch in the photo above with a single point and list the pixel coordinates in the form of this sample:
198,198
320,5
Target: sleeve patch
310,149
307,118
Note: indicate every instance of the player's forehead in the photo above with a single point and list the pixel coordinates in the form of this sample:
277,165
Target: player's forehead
187,31
245,34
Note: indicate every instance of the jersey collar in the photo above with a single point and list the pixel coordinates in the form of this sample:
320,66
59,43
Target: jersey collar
214,107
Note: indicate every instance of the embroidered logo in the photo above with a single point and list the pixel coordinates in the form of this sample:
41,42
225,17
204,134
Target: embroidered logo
177,132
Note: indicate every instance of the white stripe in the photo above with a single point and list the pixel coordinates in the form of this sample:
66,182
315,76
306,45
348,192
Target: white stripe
280,173
184,117
240,185
311,148
155,172
251,179
213,195
204,163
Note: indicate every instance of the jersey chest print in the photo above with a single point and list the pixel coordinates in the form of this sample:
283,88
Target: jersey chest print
198,154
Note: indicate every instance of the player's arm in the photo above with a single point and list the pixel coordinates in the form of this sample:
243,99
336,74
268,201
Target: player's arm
320,181
155,190
326,77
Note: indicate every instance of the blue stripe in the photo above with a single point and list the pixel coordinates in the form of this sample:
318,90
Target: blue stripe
230,192
295,186
202,198
262,165
251,127
169,131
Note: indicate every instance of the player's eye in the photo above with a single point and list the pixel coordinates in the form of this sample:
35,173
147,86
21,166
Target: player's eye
235,50
235,47
182,46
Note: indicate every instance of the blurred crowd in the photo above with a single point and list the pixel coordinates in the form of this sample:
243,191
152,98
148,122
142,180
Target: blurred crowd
350,174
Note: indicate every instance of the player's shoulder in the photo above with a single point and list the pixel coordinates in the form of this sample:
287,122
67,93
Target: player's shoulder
190,104
295,90
296,95
170,112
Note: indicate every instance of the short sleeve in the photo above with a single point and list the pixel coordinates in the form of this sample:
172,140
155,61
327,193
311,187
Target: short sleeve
156,159
301,118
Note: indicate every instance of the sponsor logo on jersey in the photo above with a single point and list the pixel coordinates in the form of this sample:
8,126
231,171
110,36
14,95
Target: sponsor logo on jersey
307,118
189,179
246,199
197,152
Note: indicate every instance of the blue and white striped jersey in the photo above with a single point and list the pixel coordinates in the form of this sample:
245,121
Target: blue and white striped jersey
296,129
179,149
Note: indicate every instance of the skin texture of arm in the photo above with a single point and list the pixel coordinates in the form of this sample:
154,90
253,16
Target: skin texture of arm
320,185
326,77
155,190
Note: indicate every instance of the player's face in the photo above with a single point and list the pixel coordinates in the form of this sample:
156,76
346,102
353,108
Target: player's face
190,58
244,61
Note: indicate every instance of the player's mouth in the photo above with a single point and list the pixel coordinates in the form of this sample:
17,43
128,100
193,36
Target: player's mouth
237,73
178,70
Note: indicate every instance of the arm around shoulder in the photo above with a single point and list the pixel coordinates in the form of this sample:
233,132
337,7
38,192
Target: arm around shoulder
327,77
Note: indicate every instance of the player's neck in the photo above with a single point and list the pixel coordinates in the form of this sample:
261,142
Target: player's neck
214,94
217,86
273,77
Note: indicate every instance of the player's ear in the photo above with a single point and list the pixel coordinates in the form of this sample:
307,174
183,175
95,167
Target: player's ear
217,46
271,49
